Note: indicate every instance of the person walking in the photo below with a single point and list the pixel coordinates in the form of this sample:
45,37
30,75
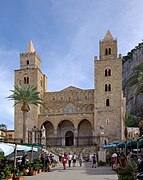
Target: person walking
47,163
80,160
94,160
74,159
64,160
69,159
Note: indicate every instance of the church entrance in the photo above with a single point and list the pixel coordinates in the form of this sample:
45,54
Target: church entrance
69,137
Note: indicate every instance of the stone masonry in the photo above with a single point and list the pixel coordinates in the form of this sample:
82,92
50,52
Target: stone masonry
74,113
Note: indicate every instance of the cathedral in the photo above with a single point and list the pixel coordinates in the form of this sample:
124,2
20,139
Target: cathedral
74,116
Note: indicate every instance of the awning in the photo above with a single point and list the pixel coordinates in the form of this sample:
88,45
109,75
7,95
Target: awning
6,148
121,145
109,146
132,144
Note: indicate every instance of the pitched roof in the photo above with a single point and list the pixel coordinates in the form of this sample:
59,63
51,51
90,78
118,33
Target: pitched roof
71,88
30,47
108,36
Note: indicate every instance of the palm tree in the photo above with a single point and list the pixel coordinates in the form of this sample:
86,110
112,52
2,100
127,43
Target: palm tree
25,96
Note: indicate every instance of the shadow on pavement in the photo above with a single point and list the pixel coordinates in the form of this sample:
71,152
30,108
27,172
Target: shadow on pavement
101,170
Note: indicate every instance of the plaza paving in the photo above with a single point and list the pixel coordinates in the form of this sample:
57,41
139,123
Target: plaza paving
77,173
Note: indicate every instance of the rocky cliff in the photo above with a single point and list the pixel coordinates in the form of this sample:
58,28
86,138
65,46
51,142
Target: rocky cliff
131,60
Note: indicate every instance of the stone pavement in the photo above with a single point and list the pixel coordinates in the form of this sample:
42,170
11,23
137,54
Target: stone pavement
76,173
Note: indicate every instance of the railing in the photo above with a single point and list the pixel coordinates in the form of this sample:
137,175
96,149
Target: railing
58,141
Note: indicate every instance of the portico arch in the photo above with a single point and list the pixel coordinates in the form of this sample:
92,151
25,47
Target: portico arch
65,131
84,132
69,138
49,131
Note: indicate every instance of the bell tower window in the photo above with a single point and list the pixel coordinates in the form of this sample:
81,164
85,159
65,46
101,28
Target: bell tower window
27,62
109,87
107,102
107,72
26,80
106,51
109,51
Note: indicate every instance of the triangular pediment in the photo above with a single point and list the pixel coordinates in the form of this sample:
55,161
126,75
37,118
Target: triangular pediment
71,88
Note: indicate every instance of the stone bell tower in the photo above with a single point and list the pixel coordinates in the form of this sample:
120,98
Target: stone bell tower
109,104
29,74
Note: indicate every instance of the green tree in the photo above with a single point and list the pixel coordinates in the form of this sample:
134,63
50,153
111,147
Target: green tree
25,96
131,121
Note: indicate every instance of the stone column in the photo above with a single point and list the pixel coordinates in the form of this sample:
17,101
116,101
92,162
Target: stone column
33,137
43,141
55,133
75,137
101,152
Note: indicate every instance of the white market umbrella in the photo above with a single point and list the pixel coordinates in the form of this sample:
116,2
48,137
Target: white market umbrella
6,148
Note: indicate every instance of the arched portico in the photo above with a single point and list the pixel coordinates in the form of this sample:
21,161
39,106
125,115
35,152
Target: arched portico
84,132
49,132
65,131
69,138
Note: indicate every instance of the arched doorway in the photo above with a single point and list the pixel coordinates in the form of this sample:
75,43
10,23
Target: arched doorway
65,129
69,137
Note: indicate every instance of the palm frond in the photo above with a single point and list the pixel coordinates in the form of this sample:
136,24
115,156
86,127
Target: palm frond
25,95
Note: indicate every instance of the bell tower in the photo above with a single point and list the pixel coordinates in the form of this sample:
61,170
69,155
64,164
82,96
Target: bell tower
109,101
29,74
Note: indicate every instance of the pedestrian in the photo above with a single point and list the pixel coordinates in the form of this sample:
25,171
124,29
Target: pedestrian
74,159
47,163
80,160
123,159
69,159
60,157
24,159
94,160
64,160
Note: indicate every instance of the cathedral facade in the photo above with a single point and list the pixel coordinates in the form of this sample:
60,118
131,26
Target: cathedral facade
74,116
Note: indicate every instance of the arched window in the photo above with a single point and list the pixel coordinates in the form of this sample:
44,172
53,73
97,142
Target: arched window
109,50
26,79
109,87
109,72
106,89
69,108
106,51
107,102
106,72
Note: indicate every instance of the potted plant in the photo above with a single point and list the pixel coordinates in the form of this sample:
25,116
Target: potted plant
18,174
127,172
26,168
7,173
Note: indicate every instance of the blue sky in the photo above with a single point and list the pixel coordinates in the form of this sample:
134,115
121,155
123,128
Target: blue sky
66,36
